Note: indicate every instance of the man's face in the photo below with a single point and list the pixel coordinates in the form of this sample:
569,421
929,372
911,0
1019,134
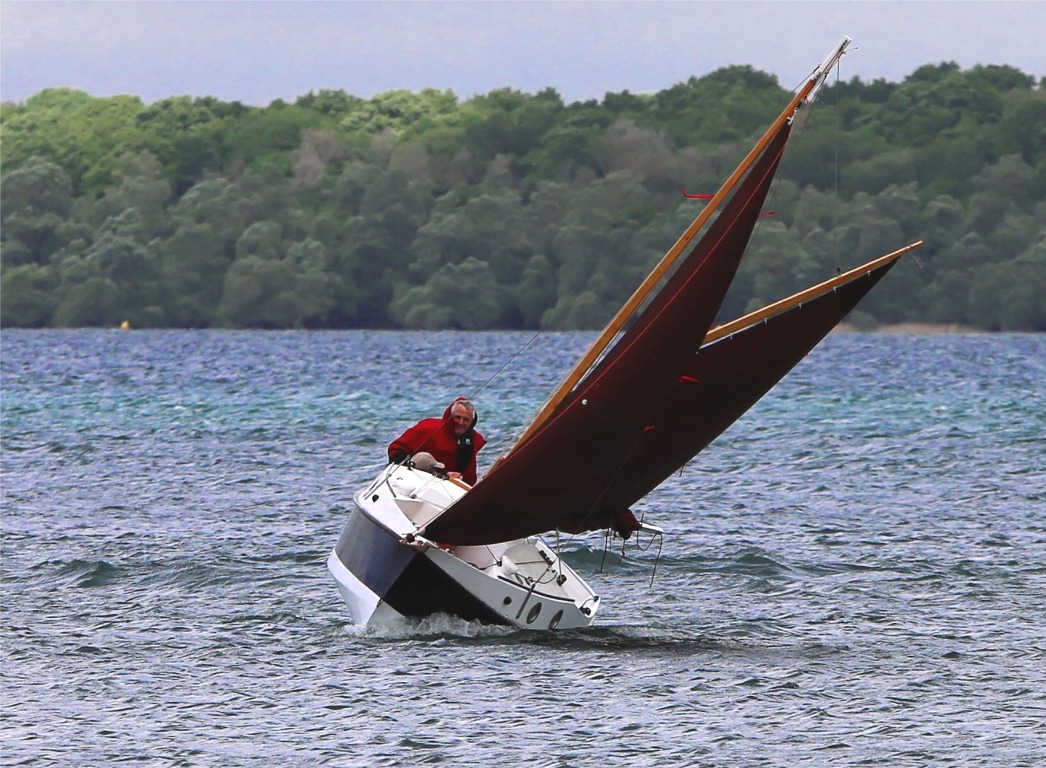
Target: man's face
461,419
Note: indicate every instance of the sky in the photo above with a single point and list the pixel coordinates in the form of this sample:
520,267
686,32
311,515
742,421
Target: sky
256,52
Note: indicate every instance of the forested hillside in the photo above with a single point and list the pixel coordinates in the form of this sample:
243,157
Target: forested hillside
512,210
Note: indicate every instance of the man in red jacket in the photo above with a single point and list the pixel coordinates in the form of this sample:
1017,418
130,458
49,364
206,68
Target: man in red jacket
452,440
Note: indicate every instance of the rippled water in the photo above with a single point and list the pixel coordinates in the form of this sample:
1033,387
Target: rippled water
855,573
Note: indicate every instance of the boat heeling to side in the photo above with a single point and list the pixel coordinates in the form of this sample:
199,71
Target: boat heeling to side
386,569
655,388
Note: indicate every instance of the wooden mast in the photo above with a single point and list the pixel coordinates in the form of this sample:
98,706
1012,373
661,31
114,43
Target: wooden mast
807,92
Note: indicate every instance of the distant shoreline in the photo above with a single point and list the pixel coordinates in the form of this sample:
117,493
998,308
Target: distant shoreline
910,328
895,328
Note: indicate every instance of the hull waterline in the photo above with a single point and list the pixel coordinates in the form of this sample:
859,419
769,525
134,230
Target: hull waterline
386,570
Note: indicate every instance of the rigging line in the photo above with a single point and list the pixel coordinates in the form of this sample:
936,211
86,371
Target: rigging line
624,460
486,383
833,183
830,185
505,365
803,122
606,548
593,376
800,121
559,554
835,188
607,532
657,559
497,373
660,538
627,311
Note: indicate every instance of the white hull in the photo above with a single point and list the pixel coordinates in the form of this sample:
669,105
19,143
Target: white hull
386,569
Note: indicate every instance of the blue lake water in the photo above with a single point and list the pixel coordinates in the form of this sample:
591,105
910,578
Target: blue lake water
854,574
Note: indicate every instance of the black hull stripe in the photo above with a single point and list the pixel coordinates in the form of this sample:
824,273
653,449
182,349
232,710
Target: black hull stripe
404,577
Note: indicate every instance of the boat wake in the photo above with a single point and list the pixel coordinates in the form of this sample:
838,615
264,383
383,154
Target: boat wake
438,626
442,629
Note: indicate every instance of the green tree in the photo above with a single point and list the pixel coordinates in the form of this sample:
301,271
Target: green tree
260,137
193,263
493,228
261,240
138,185
1011,296
189,136
399,110
537,291
463,296
748,100
121,258
35,200
91,303
358,203
267,293
27,296
39,127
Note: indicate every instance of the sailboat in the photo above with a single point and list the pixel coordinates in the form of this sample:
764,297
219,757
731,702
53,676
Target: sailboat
654,389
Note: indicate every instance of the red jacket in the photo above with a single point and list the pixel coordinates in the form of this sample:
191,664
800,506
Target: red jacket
437,437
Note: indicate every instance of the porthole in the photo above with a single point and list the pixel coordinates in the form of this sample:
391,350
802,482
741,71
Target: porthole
533,613
555,620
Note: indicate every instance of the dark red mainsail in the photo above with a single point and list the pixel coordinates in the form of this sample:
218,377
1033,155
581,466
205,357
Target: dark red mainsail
559,477
665,386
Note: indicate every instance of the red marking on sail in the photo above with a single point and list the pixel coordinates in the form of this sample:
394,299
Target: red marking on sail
696,197
688,380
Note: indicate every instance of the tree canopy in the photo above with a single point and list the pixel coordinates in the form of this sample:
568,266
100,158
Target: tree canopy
512,210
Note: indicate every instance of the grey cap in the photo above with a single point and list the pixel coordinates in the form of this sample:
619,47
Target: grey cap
425,461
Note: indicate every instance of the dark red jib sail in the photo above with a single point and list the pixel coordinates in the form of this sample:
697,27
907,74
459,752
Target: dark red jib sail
734,367
731,372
